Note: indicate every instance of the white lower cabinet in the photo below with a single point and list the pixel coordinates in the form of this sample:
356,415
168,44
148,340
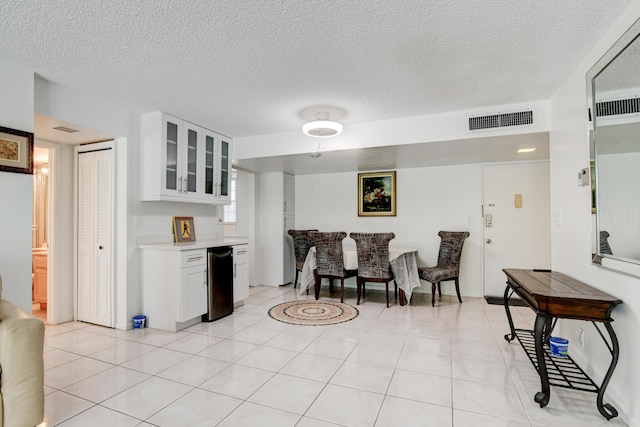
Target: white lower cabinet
240,273
174,287
193,292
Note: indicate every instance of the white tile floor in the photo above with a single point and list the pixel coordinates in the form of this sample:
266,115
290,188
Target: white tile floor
402,366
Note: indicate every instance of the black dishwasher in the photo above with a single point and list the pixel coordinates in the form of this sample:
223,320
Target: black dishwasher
219,283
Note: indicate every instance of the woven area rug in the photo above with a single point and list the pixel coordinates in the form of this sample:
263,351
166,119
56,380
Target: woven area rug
313,313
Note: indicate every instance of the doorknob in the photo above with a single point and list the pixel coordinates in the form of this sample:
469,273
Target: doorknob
489,241
100,247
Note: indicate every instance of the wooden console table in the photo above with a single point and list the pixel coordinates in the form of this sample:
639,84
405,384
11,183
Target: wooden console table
554,296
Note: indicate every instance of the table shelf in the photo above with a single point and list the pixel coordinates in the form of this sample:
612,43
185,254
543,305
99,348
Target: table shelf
562,372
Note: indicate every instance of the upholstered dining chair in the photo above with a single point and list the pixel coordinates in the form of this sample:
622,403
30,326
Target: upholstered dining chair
301,246
373,260
604,243
329,258
448,266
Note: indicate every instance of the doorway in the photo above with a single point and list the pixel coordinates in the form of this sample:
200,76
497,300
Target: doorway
60,138
40,240
517,224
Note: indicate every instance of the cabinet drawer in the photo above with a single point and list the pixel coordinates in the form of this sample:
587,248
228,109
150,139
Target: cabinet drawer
194,257
240,250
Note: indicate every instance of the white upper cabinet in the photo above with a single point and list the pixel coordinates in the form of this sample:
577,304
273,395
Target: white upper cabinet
217,167
184,162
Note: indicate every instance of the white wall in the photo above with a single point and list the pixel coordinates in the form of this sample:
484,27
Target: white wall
16,191
571,239
428,200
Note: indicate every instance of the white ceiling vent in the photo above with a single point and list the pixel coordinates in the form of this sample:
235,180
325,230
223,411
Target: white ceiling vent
618,107
519,118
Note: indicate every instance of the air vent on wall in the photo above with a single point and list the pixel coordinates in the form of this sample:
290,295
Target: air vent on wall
618,107
519,118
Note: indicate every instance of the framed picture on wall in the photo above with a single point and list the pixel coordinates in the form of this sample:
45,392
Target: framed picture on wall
377,194
16,151
183,229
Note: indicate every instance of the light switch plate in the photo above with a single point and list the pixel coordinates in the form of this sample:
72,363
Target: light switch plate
583,177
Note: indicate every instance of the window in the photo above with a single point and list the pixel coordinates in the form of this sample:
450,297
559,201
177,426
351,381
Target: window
229,215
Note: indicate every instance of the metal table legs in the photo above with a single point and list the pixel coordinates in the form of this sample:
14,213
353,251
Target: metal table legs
543,328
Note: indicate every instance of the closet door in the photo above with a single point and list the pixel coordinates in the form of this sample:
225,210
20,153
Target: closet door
95,237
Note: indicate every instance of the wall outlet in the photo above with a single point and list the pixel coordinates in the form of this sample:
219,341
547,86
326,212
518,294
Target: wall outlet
581,337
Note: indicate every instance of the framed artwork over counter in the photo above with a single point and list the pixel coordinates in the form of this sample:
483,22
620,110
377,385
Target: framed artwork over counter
16,151
183,229
377,194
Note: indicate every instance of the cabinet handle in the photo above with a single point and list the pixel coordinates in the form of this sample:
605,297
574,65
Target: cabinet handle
186,185
204,276
194,258
180,185
234,270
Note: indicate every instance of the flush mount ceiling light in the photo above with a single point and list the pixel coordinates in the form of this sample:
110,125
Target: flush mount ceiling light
322,127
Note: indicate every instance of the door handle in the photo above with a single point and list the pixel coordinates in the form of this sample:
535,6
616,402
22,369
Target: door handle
488,241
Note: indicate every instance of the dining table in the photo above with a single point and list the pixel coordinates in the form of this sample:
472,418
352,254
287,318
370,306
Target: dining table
402,260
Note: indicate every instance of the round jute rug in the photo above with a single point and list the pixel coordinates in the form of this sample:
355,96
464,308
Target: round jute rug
313,313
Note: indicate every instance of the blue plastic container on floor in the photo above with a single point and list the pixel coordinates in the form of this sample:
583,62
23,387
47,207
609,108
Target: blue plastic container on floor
559,346
139,321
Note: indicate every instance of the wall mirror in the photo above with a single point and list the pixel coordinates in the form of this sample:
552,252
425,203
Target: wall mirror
614,96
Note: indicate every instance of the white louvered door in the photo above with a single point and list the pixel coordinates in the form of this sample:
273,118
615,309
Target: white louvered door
95,237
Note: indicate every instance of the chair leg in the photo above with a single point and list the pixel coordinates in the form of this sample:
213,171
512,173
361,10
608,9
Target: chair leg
433,295
386,285
342,289
295,281
331,285
316,284
358,285
439,291
458,290
395,286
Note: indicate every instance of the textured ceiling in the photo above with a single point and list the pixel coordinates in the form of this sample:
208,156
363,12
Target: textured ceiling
250,67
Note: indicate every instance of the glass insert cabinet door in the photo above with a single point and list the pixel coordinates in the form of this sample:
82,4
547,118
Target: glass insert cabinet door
191,182
171,169
181,151
225,170
209,165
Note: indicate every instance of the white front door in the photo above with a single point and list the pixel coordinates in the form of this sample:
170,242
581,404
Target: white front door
515,237
95,237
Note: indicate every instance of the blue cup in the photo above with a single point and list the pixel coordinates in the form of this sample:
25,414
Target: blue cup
559,346
139,321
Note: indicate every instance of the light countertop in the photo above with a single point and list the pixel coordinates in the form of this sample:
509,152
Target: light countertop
198,244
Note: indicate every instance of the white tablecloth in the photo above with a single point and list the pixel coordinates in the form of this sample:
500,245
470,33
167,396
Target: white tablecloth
404,265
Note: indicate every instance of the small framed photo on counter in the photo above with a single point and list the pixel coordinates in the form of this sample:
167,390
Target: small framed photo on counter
183,229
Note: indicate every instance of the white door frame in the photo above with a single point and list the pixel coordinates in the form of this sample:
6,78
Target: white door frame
83,149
